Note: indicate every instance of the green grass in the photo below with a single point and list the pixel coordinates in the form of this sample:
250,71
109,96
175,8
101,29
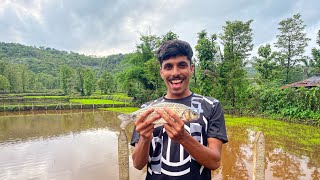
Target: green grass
95,101
45,97
301,134
125,110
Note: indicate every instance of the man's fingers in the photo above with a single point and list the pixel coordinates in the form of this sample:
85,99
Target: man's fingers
147,130
152,119
143,116
142,125
174,116
166,117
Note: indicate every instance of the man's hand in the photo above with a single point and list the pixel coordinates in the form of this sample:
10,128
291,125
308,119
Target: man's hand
145,126
208,156
174,126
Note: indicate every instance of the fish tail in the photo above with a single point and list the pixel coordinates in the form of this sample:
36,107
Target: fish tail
126,120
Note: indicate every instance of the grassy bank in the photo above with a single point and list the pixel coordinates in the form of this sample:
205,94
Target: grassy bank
303,134
21,102
125,110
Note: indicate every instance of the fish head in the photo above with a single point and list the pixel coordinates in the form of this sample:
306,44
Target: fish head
190,115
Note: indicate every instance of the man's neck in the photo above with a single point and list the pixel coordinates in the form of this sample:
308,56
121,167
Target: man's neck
168,96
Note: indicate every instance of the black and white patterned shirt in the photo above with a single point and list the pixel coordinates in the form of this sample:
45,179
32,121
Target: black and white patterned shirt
168,159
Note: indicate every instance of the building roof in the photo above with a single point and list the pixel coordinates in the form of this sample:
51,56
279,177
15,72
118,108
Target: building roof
310,82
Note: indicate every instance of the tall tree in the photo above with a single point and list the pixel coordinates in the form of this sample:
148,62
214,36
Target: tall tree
106,83
11,72
207,50
4,84
66,74
148,46
266,64
291,42
315,60
168,36
80,72
89,82
237,42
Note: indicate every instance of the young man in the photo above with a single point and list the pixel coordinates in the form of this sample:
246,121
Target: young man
178,149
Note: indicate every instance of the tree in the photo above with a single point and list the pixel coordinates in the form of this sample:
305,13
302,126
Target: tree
80,80
4,84
237,43
266,64
291,42
152,75
89,82
12,74
106,83
168,36
206,48
148,46
66,74
315,61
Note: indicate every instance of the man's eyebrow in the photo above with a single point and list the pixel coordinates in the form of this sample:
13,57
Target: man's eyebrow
167,64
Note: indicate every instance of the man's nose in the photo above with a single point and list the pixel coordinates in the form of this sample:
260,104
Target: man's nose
175,71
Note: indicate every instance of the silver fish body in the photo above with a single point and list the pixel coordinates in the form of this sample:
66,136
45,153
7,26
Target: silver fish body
183,111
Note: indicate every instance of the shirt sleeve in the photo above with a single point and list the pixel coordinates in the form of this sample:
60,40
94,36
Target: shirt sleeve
216,123
135,137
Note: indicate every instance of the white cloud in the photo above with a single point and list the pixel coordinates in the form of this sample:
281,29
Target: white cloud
103,27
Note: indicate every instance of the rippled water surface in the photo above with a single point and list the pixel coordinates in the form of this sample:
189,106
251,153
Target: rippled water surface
84,145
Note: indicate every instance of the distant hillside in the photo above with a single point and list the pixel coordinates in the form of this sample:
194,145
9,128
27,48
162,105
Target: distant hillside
48,60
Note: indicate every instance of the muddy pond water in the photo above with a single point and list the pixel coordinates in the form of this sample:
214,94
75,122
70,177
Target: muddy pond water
84,145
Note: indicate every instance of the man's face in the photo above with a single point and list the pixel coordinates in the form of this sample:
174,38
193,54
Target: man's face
176,73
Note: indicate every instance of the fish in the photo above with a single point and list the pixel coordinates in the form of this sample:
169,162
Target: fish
186,113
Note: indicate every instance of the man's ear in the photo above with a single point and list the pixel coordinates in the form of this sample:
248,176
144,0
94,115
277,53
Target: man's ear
192,68
160,71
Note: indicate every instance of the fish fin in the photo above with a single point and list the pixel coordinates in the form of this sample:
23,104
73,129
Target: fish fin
124,117
126,120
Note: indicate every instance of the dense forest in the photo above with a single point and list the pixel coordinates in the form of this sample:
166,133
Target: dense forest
244,84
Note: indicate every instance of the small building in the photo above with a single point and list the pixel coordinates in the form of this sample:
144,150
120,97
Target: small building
313,81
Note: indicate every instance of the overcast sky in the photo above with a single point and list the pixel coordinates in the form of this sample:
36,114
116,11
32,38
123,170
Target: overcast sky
104,27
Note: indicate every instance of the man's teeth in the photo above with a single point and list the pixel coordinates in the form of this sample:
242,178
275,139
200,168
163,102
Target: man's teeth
176,81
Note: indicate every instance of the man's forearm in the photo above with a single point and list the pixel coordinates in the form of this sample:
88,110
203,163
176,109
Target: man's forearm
207,156
140,154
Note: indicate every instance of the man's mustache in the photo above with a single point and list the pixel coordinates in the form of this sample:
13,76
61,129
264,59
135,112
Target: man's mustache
178,77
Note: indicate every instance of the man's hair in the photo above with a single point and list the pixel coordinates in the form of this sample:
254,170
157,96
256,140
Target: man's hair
174,48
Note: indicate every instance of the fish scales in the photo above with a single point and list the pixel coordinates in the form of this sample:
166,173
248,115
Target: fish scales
183,111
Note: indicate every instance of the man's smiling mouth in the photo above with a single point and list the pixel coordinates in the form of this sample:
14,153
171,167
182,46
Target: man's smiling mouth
177,81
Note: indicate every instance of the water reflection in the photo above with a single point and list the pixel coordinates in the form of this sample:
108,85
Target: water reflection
83,145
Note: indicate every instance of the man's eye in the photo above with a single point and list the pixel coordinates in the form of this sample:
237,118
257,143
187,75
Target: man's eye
167,67
183,65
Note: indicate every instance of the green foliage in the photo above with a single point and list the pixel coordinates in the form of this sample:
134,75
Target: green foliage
208,64
125,110
237,42
106,83
297,133
96,101
291,103
89,81
66,74
45,97
266,65
291,42
169,36
315,60
4,84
